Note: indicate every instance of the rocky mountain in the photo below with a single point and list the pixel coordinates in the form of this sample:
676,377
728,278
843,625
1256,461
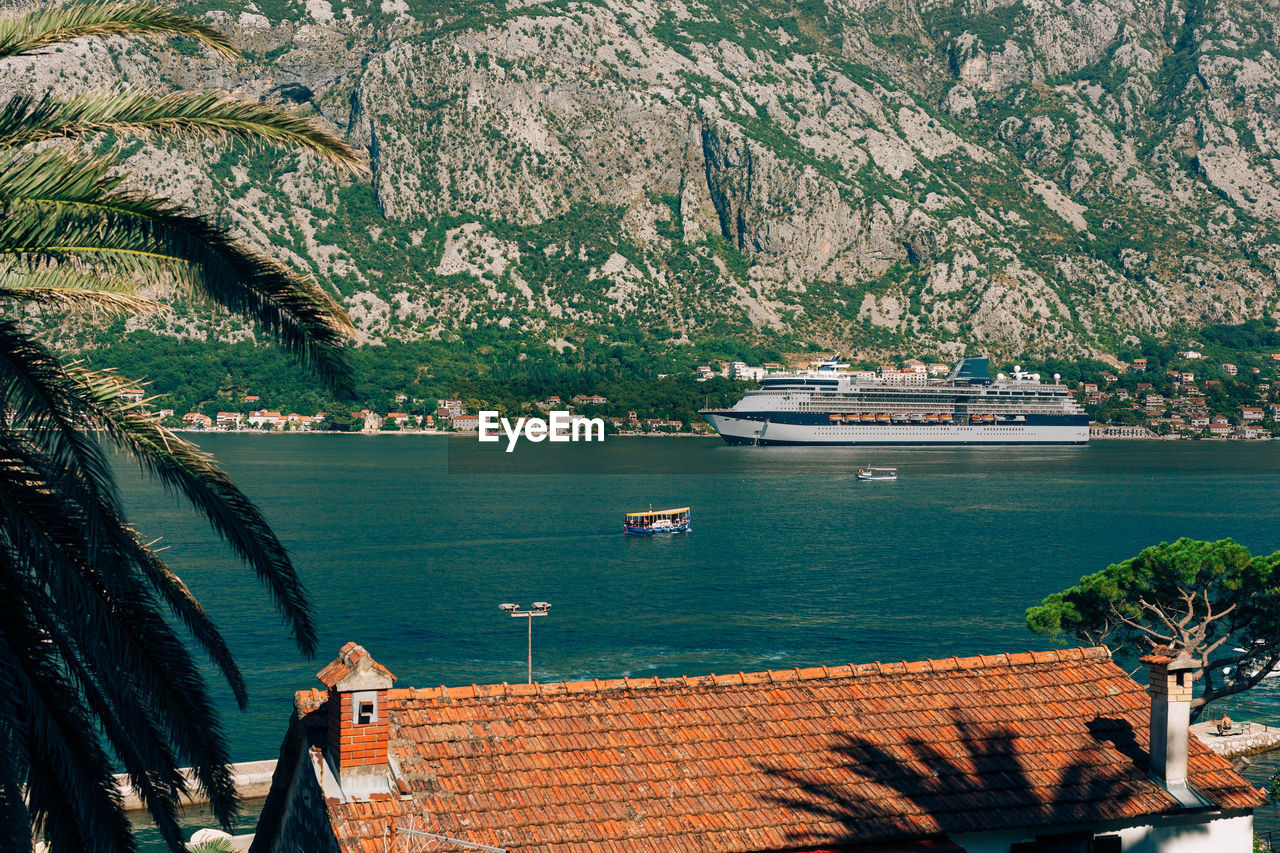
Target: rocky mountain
1036,176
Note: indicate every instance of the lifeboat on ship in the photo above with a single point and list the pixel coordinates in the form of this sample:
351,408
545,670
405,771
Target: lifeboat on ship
931,418
917,417
901,417
867,418
945,417
882,418
835,418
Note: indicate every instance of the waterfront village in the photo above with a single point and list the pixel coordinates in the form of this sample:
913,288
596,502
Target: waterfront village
1197,399
449,416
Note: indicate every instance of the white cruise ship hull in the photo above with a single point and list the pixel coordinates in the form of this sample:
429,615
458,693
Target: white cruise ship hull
754,430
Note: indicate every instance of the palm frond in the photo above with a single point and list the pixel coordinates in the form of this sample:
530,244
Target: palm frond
70,287
63,209
201,115
184,468
35,386
186,607
56,175
76,774
92,666
109,611
137,739
15,820
45,26
44,530
111,639
65,287
80,300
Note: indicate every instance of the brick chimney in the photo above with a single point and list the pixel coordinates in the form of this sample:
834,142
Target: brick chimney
1170,672
358,730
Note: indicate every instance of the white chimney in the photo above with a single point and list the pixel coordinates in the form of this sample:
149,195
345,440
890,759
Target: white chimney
1170,683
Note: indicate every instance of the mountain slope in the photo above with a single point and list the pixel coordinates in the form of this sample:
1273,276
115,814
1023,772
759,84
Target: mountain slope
1035,177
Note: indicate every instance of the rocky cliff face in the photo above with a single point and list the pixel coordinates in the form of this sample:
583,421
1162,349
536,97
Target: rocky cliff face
1035,176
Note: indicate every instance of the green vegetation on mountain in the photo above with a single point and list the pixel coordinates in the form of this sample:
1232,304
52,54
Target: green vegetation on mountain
1034,181
485,372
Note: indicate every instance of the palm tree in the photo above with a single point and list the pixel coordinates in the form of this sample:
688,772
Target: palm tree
94,670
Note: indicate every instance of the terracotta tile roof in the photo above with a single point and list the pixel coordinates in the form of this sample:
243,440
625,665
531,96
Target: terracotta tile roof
345,663
804,759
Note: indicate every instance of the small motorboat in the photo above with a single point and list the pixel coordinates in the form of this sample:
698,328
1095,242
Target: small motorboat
1250,669
877,473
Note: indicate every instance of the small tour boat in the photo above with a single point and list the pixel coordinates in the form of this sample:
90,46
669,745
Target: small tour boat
877,473
657,521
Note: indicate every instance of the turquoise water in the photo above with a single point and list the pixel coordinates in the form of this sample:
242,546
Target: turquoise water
791,561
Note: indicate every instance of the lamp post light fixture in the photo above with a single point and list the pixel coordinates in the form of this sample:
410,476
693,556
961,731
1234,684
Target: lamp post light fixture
539,608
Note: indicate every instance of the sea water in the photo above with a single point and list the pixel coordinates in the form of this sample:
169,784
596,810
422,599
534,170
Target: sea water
407,544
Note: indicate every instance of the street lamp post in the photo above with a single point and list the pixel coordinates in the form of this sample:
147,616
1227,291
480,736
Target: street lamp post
539,608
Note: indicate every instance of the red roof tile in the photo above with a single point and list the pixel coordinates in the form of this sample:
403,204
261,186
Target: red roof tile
345,663
802,759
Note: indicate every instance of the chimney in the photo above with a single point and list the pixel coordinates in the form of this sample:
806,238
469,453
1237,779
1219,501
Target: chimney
358,730
1170,672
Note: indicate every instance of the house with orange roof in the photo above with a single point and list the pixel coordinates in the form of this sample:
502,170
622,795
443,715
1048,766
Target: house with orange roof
1041,751
263,419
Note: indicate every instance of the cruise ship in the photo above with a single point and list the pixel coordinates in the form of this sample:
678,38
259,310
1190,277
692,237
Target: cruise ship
828,404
